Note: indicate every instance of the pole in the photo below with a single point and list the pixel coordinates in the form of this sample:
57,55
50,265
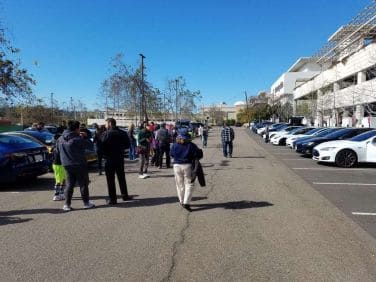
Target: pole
176,100
273,118
143,100
246,103
52,106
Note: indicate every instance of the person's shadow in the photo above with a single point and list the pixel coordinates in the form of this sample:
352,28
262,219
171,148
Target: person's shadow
236,205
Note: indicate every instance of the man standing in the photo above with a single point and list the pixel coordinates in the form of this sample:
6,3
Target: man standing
71,148
227,136
164,139
144,138
114,142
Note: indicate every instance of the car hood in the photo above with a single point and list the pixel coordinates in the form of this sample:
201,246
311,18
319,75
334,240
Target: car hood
314,139
9,149
336,143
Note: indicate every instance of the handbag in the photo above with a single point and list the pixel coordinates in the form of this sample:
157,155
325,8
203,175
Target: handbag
141,150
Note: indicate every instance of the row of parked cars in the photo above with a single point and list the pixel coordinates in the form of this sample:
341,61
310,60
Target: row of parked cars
345,147
28,153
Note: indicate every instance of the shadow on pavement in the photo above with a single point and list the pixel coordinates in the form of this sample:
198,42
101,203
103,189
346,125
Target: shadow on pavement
238,205
5,220
33,211
249,157
26,185
148,202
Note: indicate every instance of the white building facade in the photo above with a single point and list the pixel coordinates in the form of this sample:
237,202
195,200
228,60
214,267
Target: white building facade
282,90
345,93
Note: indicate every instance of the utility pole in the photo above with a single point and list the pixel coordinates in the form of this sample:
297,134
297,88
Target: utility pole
143,100
176,99
273,118
246,103
52,107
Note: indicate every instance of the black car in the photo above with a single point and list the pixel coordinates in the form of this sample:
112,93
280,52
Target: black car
307,146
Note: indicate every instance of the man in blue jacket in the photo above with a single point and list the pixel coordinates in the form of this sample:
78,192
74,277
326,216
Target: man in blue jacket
71,147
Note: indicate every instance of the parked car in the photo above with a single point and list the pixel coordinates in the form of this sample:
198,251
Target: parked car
21,157
272,127
307,146
347,153
310,133
45,137
283,130
280,139
322,133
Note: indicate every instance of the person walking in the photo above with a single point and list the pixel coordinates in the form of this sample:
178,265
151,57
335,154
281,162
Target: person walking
164,139
204,136
98,145
114,143
184,153
227,136
71,148
133,142
144,138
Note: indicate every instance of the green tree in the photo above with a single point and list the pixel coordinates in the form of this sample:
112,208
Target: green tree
15,81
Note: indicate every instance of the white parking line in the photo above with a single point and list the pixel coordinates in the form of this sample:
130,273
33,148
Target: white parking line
342,183
333,169
289,153
364,213
297,159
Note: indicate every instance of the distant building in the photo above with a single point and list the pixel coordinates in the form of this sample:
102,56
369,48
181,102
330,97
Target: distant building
217,113
282,90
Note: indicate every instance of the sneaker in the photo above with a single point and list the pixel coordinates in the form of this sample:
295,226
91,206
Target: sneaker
146,175
127,198
142,176
67,208
57,198
89,205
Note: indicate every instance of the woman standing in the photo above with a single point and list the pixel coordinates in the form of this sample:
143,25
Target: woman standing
184,153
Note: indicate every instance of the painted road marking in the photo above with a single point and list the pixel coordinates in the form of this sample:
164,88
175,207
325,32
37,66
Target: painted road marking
333,169
364,213
340,183
296,159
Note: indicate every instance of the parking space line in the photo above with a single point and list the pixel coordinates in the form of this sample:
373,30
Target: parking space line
344,183
296,159
288,153
333,169
363,213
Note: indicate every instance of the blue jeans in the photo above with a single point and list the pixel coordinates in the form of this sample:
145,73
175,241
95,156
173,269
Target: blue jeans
227,144
132,150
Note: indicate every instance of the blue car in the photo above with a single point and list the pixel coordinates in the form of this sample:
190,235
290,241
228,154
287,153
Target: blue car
21,157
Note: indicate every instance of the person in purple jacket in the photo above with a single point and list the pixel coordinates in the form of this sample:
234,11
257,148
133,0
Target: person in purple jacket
184,153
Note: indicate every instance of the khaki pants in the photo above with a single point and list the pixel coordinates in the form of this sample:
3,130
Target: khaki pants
183,179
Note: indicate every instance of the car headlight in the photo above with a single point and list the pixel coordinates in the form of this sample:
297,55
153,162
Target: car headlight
328,148
310,143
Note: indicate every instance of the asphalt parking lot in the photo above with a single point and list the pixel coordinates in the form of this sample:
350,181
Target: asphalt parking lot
352,190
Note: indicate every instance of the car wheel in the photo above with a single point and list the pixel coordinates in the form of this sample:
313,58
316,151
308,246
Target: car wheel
346,158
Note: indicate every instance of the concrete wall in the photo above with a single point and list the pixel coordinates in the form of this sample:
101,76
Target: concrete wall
363,59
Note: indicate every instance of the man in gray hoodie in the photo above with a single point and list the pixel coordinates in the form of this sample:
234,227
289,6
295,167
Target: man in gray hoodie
71,147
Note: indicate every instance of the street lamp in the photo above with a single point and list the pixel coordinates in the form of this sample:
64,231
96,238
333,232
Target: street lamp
143,100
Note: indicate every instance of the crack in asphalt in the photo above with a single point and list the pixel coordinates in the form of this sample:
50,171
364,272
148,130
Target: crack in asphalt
182,234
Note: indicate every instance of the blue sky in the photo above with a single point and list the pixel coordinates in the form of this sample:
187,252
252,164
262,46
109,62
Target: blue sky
221,47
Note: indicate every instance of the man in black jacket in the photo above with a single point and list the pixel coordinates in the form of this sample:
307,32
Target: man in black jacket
114,142
164,140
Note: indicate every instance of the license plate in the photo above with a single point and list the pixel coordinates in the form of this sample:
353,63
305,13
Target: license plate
38,158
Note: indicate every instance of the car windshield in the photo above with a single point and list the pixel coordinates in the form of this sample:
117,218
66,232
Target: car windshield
296,131
288,129
364,136
326,132
338,133
9,139
314,130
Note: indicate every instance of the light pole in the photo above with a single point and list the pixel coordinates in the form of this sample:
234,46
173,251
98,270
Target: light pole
52,107
143,100
176,100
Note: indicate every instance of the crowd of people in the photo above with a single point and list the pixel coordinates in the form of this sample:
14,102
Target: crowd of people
150,144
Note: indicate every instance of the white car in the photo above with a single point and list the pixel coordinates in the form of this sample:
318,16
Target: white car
347,153
280,139
282,132
313,132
